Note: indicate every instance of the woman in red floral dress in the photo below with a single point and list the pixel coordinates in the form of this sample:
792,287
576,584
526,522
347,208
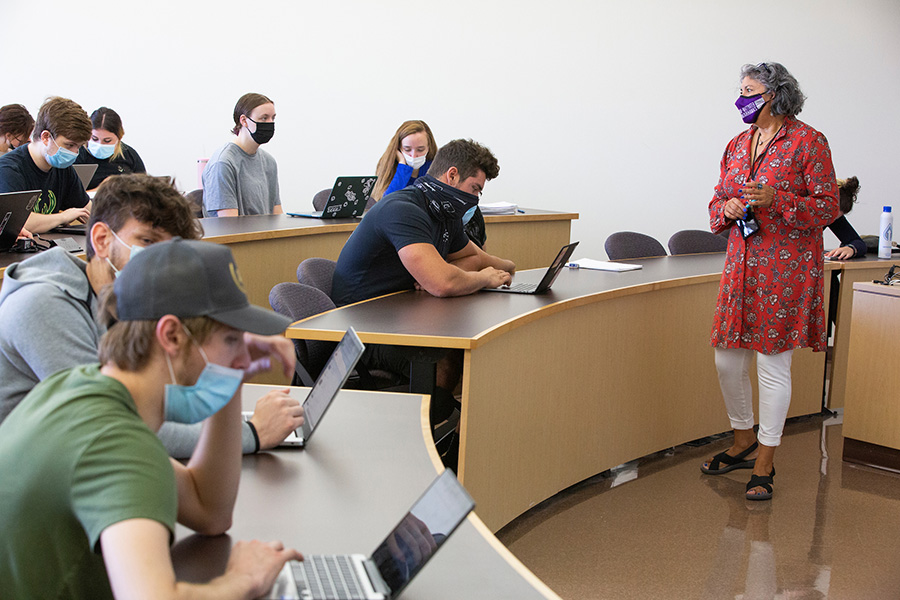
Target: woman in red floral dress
776,192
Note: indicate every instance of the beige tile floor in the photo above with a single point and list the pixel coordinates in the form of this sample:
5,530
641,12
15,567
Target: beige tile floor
658,528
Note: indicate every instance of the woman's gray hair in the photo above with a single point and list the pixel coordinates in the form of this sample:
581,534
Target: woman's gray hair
788,98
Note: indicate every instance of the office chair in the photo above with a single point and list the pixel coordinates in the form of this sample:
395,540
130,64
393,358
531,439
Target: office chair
297,301
321,198
318,273
695,241
195,199
629,244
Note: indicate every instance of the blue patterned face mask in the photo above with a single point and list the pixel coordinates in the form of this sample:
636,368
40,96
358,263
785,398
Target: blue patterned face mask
214,389
468,216
63,158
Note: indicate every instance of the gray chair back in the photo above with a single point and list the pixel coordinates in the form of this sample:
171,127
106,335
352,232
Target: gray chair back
318,273
321,198
623,245
695,241
297,301
195,199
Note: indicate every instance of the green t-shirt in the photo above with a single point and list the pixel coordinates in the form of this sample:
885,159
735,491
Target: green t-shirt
75,458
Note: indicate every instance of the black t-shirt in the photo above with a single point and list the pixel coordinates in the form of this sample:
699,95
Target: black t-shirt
369,264
129,162
60,188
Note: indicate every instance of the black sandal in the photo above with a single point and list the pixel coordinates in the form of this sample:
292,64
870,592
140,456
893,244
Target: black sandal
731,462
763,481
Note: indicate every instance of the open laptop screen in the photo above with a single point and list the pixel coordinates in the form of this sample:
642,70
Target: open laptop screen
422,531
332,378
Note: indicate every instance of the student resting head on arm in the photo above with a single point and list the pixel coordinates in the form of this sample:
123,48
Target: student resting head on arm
241,178
93,508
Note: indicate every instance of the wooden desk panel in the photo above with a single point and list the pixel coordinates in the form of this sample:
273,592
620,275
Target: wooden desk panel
362,470
852,272
872,411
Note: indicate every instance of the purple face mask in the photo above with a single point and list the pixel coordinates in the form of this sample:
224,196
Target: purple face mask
750,107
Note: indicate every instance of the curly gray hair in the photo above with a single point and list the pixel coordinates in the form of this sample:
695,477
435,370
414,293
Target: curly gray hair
788,98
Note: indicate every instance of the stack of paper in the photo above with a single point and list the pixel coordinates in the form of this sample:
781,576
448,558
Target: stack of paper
498,208
600,265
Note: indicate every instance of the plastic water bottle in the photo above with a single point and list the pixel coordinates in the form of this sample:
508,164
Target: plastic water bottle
885,233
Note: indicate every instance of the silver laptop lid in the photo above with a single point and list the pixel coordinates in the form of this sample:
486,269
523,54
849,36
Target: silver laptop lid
556,267
424,529
338,368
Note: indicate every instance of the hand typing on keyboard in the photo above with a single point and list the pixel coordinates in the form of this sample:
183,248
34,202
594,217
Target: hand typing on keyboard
258,563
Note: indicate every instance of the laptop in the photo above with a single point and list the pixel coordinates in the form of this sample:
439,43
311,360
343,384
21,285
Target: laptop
550,276
338,368
348,199
14,210
393,564
85,173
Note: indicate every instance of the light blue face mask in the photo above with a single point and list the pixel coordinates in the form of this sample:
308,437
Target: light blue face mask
133,248
468,215
215,387
101,151
63,158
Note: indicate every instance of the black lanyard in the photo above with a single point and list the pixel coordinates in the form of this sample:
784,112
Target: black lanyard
757,162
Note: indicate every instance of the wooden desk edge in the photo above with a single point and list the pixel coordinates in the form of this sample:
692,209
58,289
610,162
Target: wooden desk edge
473,518
530,216
271,234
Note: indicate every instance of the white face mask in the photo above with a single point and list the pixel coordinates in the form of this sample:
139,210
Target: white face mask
416,162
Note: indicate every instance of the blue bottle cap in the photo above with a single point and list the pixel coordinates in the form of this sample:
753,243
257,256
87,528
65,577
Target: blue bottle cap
887,209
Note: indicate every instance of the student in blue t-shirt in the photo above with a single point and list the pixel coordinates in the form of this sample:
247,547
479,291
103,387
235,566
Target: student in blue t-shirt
45,164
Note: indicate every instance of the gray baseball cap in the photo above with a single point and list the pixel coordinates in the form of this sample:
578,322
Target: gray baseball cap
190,278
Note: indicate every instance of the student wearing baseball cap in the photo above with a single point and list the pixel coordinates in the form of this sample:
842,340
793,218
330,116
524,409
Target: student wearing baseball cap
89,506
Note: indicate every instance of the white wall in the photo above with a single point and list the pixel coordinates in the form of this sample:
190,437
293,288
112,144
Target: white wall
617,110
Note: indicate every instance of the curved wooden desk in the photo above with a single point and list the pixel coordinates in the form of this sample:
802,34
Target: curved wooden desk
268,248
604,368
369,460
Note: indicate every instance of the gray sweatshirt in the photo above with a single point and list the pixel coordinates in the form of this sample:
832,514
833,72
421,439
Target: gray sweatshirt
47,310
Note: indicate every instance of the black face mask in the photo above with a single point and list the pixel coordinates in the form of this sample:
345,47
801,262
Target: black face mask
263,133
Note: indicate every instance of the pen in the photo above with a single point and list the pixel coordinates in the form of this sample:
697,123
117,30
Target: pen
519,210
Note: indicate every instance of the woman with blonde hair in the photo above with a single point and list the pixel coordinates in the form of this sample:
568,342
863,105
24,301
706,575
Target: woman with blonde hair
408,157
107,150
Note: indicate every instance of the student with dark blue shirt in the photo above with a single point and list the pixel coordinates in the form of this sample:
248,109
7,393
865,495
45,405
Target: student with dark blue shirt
414,239
45,164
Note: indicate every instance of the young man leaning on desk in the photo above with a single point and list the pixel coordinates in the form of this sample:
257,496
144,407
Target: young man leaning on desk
45,164
48,304
414,238
89,504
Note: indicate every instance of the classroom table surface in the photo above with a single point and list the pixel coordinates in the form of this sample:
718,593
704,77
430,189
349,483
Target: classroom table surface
367,462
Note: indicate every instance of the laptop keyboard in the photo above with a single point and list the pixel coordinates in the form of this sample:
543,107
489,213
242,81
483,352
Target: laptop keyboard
522,287
328,577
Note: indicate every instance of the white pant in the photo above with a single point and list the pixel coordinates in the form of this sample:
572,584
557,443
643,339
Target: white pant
774,372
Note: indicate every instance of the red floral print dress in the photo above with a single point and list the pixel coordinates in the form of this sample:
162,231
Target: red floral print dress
771,292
